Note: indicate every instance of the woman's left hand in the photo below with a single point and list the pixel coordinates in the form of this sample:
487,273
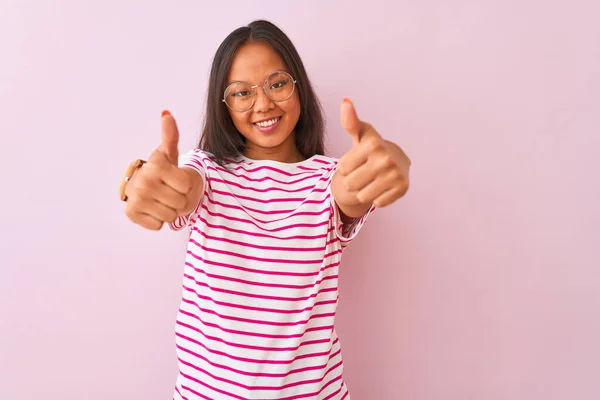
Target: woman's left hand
375,171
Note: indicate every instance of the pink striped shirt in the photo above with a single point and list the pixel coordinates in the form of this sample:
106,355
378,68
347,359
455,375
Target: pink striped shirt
260,283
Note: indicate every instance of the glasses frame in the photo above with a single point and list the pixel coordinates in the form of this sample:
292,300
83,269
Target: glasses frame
264,87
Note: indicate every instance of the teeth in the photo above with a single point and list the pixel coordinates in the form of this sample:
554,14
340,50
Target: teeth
265,124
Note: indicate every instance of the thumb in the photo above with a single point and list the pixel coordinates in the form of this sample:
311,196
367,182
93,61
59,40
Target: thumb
170,138
350,121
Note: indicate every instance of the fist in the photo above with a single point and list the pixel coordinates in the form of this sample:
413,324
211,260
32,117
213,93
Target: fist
159,191
375,171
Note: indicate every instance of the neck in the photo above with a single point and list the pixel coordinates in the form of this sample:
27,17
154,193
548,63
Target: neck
292,156
286,153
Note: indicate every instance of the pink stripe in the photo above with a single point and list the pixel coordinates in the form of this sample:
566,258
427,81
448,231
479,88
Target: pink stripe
178,223
226,228
261,271
240,372
247,387
256,210
310,188
303,168
344,396
261,259
254,283
189,389
334,393
301,396
281,228
276,200
256,334
309,381
194,163
257,321
240,160
257,246
245,346
198,158
331,254
326,162
253,360
198,167
261,309
244,359
268,212
260,296
267,178
180,395
350,228
269,168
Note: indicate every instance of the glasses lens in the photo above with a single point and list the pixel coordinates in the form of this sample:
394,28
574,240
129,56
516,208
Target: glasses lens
239,96
280,86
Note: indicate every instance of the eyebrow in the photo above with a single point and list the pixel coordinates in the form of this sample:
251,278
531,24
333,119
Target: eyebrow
229,82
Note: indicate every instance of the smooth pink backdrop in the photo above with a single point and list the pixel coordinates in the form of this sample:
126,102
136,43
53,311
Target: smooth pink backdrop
482,283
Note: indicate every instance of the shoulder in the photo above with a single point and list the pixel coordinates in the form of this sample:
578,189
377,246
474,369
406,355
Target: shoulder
203,156
322,163
243,164
322,160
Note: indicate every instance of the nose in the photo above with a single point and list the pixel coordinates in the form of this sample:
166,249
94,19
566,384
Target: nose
262,103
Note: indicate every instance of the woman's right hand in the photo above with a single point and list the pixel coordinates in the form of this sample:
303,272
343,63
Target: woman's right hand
160,191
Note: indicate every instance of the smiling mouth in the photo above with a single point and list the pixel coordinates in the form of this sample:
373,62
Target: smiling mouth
268,123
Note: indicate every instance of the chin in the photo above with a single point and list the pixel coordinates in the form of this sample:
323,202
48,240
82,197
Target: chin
267,142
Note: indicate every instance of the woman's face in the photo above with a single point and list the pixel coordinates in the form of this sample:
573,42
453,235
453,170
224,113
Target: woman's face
268,126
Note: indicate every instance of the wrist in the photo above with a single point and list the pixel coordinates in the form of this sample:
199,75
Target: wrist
129,173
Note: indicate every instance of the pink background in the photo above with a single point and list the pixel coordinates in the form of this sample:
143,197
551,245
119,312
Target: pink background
482,283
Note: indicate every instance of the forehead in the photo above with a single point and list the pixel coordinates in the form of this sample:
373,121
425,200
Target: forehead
253,62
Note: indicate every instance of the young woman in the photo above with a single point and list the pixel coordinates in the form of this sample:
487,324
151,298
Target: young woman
268,216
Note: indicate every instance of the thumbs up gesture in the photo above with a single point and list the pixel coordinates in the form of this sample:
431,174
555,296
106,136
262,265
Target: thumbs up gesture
159,191
375,171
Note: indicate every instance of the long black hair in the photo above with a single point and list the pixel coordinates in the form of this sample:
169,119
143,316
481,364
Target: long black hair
219,135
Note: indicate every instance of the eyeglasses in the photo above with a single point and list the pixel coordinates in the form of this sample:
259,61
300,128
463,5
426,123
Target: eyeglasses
240,96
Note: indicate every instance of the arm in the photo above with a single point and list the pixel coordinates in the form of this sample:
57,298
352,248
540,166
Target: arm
346,201
160,191
373,173
196,191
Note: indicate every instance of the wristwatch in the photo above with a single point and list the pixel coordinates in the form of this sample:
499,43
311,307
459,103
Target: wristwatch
134,166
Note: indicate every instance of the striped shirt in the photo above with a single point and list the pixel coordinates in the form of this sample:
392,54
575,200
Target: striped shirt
260,282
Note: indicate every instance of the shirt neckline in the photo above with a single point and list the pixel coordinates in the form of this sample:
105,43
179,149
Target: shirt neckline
277,163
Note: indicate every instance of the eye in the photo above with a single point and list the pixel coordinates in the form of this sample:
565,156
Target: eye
279,84
241,93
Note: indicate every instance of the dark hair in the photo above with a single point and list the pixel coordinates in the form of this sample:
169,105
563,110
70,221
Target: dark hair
219,135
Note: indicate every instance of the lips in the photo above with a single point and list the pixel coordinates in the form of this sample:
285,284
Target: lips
267,122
